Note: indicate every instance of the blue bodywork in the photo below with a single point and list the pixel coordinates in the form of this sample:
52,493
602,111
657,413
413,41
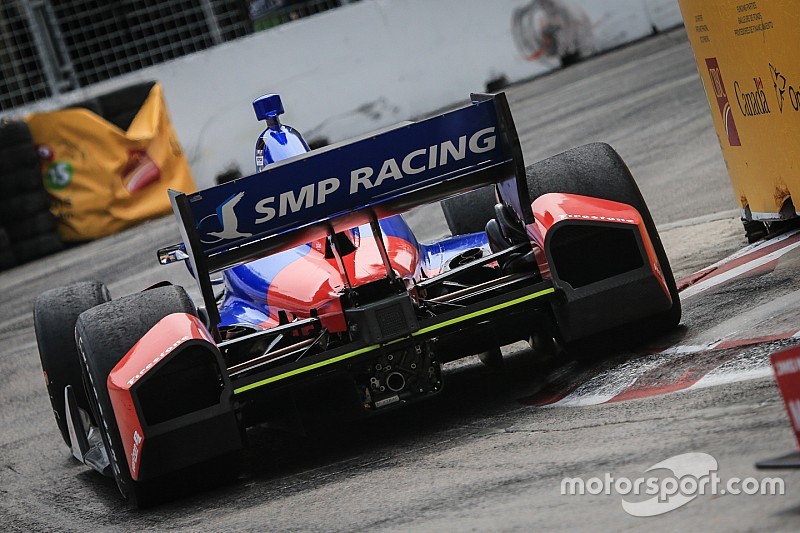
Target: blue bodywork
278,141
247,286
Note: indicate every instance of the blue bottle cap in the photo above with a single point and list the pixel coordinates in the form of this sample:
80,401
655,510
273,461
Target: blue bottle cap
268,105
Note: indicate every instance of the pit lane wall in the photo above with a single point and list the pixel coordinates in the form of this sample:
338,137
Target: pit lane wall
374,63
746,54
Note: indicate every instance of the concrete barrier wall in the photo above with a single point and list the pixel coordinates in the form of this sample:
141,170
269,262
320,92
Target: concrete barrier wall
372,64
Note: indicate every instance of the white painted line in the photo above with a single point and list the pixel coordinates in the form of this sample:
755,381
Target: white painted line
714,281
702,219
583,401
752,248
731,377
690,348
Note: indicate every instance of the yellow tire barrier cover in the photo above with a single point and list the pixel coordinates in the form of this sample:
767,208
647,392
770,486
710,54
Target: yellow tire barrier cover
103,179
747,57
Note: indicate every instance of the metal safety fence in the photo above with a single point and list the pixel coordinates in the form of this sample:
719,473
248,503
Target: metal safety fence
50,47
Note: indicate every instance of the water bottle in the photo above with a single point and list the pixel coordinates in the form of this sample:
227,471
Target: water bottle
278,141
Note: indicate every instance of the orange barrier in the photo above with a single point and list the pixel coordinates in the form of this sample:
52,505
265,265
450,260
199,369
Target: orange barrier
103,179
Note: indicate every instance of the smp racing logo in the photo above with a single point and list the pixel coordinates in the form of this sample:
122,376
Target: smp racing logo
222,225
276,201
722,101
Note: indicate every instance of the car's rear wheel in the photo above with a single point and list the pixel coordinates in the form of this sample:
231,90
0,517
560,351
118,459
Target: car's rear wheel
54,316
14,132
469,212
598,171
492,358
106,333
594,170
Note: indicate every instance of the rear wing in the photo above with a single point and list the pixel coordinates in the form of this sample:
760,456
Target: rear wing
352,183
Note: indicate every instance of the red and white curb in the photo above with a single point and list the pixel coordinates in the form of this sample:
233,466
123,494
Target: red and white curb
683,367
760,255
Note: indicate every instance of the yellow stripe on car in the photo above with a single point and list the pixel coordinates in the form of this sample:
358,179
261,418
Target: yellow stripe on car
366,349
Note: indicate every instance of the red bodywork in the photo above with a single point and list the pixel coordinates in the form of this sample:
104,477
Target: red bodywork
173,333
551,209
315,282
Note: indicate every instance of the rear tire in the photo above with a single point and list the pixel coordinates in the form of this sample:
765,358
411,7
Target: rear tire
14,132
469,212
17,157
37,247
91,104
492,358
121,106
54,316
38,224
21,181
7,259
23,206
598,171
5,240
107,333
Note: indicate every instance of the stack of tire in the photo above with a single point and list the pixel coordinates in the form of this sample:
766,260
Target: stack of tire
28,230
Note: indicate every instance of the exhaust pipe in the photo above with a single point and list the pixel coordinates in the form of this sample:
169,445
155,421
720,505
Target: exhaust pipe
395,382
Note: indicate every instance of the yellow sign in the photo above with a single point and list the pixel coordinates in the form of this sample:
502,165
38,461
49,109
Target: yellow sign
746,53
103,179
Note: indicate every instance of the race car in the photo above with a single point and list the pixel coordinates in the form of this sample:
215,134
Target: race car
326,288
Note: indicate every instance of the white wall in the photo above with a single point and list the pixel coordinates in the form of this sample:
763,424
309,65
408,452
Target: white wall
357,68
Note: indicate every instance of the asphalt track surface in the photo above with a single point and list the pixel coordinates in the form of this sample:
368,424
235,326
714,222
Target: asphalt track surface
490,452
